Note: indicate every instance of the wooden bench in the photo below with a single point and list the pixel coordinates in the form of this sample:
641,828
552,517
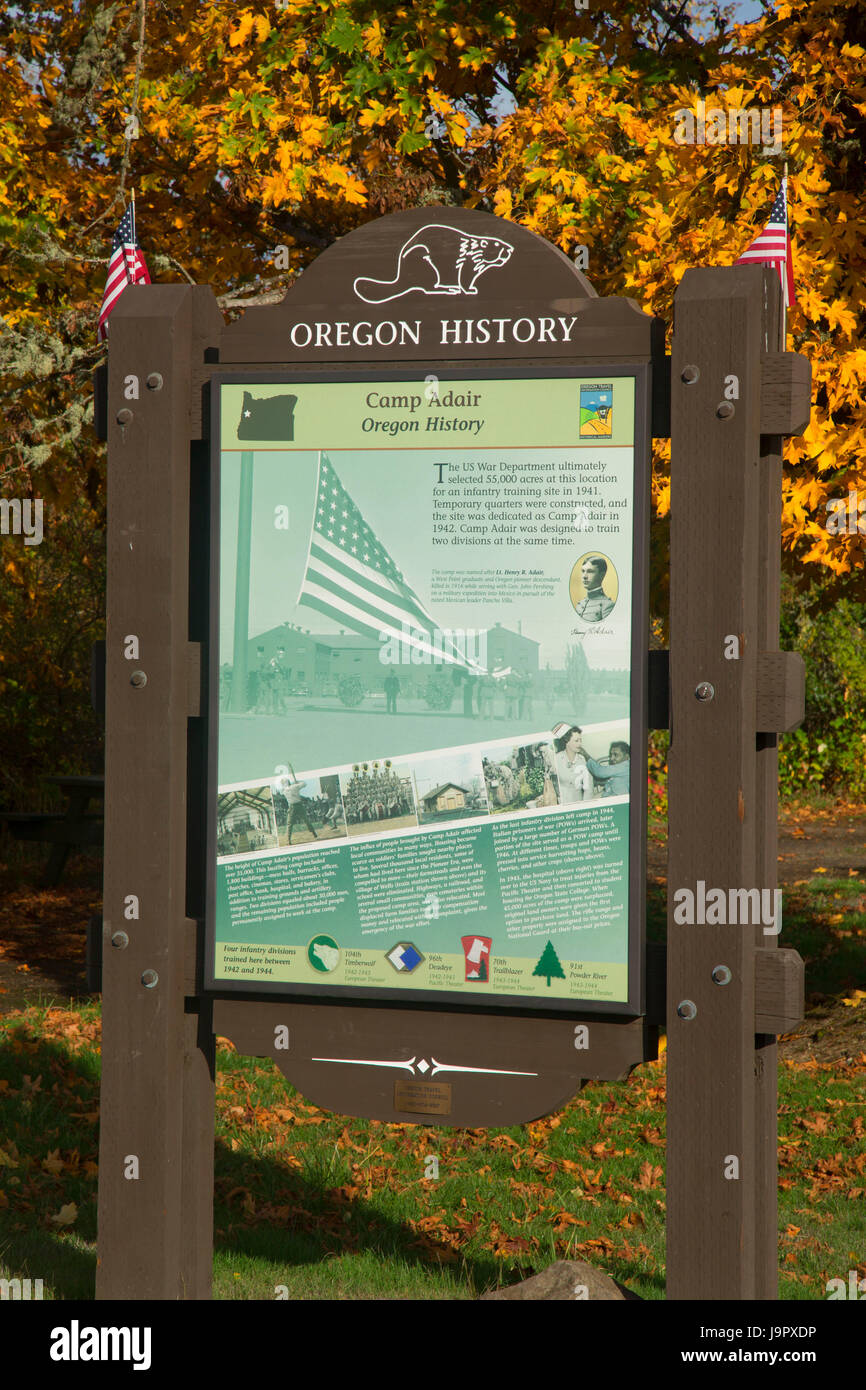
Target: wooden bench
61,829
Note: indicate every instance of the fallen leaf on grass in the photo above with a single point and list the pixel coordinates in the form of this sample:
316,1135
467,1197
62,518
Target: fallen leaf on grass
652,1136
22,968
600,1243
66,1216
855,999
53,1163
564,1220
650,1175
819,1125
631,1218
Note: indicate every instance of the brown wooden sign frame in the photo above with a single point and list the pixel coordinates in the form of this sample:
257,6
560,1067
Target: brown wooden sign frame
157,1119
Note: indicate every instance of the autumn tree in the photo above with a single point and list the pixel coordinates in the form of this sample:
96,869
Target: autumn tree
256,135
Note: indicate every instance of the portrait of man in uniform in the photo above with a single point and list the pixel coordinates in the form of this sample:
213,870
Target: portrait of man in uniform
590,573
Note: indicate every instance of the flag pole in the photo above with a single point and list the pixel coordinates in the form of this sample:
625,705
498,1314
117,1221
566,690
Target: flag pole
240,649
787,262
312,529
129,279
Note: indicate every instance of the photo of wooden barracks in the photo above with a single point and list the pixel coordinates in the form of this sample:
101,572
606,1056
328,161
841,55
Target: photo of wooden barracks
289,660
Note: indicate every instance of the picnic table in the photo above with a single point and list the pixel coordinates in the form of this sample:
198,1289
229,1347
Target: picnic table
76,825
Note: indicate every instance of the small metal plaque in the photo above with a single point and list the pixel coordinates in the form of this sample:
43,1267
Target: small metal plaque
423,1097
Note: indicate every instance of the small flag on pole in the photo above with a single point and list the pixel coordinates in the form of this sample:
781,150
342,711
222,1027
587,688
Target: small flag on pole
773,246
126,267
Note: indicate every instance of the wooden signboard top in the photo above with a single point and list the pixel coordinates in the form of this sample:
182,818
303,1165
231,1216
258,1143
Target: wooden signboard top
439,282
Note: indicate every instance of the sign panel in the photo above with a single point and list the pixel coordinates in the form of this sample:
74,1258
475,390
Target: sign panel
428,654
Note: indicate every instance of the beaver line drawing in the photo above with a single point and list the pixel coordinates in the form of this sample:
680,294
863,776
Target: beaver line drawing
437,259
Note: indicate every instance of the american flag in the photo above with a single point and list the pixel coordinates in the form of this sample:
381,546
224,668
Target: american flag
351,578
773,246
126,267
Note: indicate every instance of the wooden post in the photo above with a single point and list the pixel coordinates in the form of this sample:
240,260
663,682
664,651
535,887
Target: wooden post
157,1099
728,406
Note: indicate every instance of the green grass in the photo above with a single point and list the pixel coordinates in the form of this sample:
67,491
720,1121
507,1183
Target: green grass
327,1207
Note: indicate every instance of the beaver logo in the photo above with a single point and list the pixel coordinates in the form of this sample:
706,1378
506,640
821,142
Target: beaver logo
437,259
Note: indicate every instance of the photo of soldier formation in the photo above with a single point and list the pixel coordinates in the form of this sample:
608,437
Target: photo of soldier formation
378,796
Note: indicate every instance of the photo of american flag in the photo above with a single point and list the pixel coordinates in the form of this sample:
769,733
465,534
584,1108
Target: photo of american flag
125,267
351,578
773,245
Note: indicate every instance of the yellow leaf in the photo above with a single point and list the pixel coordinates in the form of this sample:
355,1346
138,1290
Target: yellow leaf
374,38
66,1216
839,315
502,202
53,1163
242,33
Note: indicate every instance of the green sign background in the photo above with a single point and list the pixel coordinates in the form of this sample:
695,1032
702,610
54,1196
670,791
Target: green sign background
485,524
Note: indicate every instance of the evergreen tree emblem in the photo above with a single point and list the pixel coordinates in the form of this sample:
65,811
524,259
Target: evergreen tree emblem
549,964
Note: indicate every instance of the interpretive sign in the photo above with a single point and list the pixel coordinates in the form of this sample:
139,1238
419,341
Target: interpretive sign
359,782
428,648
